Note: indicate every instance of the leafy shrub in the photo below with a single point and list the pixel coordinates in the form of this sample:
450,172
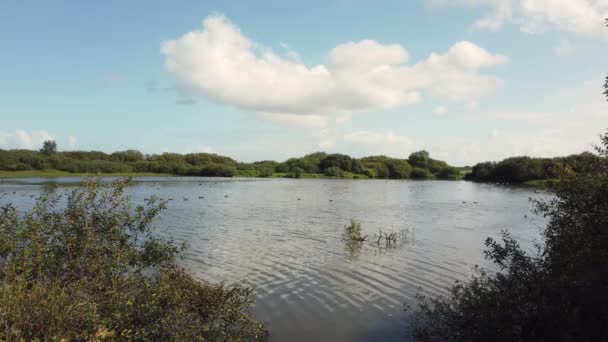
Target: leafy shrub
19,167
420,173
333,171
448,172
86,266
352,232
398,169
295,173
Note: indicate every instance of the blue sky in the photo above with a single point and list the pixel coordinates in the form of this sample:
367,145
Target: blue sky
468,80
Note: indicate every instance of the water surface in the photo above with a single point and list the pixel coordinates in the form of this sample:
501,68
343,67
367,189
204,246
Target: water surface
283,237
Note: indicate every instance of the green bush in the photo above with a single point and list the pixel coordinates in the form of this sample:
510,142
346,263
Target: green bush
448,172
87,267
420,173
352,232
333,171
19,167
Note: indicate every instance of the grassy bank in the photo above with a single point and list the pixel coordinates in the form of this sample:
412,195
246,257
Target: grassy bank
56,173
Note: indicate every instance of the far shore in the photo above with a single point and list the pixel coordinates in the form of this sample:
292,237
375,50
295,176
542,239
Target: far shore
56,173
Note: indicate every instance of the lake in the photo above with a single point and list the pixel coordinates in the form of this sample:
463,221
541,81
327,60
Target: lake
284,237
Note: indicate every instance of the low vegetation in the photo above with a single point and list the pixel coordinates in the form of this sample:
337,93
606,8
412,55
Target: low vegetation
519,170
48,162
353,232
85,265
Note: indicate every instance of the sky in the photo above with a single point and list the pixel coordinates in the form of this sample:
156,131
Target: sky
467,80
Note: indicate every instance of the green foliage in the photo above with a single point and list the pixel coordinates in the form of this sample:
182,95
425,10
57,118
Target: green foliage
436,165
129,156
353,231
86,266
419,159
449,172
213,165
333,171
420,173
295,173
48,147
523,169
558,294
398,169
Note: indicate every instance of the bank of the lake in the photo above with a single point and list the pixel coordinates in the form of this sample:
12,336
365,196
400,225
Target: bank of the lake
57,173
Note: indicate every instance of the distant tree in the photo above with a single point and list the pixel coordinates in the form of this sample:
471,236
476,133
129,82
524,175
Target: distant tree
296,173
436,165
420,173
49,147
341,161
265,172
448,172
398,169
333,171
128,156
419,159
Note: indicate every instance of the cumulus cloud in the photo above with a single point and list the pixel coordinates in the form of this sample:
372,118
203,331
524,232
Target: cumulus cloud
440,111
220,63
584,17
22,139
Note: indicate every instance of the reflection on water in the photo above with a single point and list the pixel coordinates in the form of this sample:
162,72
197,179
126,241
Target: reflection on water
311,284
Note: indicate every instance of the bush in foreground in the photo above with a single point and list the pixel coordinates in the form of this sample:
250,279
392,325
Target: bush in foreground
558,294
85,266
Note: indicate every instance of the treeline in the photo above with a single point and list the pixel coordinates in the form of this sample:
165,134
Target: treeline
419,165
523,169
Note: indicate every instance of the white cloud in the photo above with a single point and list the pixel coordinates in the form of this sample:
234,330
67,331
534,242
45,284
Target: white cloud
440,111
344,118
583,17
564,49
22,139
312,121
225,66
